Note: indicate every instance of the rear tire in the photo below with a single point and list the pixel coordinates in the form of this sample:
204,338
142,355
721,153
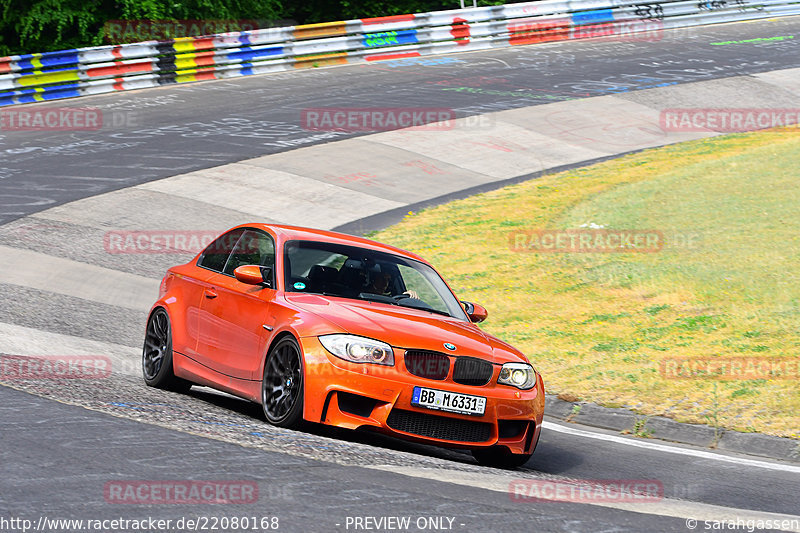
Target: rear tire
500,457
157,355
282,385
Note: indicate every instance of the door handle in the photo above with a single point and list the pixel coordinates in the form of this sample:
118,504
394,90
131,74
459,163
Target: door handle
209,294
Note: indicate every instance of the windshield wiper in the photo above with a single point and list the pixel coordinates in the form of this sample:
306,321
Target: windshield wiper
377,298
403,302
423,307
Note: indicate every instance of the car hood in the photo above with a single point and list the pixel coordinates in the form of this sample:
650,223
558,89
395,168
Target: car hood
403,327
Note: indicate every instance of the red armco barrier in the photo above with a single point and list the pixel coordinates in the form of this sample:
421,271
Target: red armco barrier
86,71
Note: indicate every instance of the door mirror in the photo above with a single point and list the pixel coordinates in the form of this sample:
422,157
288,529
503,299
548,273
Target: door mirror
254,275
475,312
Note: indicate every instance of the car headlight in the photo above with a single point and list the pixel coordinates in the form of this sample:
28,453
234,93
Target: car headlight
358,349
519,375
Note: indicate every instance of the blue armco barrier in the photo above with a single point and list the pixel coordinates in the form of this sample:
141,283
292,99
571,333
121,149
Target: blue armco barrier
598,16
246,54
48,59
390,38
96,70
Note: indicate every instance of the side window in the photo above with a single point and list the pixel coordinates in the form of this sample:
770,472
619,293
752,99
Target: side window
216,254
253,248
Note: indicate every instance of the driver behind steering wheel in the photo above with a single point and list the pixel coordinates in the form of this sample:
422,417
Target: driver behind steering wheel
379,284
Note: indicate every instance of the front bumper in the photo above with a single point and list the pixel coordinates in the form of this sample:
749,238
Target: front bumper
352,395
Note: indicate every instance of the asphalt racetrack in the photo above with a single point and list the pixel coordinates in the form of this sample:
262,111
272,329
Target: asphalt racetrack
173,130
63,441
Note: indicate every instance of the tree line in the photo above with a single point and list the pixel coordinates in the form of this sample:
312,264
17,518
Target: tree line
47,25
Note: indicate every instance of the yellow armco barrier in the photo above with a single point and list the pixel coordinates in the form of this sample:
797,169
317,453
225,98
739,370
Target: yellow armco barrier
324,29
97,70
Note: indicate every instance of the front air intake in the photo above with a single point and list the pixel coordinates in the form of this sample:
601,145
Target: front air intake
472,371
426,364
439,427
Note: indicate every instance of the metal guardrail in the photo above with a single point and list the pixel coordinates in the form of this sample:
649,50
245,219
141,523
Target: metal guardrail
96,70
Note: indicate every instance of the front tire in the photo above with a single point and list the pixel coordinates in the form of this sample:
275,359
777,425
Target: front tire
157,355
282,384
500,457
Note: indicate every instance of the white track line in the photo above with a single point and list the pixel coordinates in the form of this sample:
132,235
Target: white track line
704,514
701,454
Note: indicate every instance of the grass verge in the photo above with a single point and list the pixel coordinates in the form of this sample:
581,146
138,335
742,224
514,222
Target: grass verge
603,327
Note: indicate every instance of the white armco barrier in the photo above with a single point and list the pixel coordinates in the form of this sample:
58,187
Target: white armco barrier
83,71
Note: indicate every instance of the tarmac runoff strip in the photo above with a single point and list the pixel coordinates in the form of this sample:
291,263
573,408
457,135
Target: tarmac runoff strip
257,190
29,342
786,79
664,448
699,512
73,278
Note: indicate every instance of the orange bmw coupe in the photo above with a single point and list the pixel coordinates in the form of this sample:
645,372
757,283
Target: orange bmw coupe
340,330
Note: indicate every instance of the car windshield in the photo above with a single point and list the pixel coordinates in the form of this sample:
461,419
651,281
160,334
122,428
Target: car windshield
362,274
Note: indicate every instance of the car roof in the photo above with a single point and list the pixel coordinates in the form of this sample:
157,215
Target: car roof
289,233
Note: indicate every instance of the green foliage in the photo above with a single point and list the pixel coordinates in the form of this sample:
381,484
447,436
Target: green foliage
605,318
640,428
655,309
309,11
705,323
615,345
47,25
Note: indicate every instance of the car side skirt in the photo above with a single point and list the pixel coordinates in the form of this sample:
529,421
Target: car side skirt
189,369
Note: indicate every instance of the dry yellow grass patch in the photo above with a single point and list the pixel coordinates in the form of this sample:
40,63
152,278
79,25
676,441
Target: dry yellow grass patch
599,325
